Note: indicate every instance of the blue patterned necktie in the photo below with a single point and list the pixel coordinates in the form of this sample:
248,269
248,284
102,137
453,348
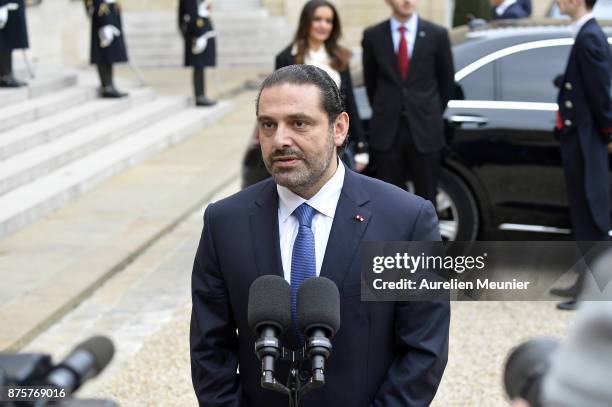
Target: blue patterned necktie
303,260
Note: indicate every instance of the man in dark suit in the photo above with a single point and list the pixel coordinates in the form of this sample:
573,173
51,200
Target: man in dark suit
13,35
584,128
385,353
510,9
409,75
107,42
526,4
200,44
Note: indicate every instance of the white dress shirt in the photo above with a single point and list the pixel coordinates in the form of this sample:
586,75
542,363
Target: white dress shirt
501,9
411,32
577,25
325,202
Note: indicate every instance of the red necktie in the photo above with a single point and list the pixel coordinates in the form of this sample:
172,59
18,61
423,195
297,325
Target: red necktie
402,54
559,122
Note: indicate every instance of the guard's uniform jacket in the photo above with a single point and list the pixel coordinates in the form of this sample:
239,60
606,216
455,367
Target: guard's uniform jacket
584,126
103,13
193,26
14,35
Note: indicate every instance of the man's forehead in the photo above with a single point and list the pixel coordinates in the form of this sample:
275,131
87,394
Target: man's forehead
290,98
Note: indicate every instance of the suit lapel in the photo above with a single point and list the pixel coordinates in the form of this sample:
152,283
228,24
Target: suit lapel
347,231
419,42
264,232
389,55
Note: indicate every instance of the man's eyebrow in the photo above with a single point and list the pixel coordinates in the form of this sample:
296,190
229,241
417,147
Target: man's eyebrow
301,116
296,116
264,118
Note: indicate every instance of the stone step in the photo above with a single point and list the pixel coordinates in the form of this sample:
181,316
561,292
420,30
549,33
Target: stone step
257,34
45,158
44,83
38,108
41,197
177,53
49,128
138,18
167,61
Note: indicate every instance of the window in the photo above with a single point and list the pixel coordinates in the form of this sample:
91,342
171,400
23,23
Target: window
528,76
478,85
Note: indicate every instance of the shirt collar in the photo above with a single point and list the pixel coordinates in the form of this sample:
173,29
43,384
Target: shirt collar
576,26
501,9
411,24
324,201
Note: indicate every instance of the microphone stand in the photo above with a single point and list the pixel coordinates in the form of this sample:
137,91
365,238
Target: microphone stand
295,388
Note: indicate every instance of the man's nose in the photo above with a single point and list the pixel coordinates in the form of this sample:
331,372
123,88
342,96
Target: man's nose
283,137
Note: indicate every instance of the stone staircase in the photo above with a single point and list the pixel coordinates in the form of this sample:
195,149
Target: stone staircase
58,139
246,35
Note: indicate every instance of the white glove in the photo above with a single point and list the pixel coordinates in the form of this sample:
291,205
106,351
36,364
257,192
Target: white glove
3,16
107,34
200,44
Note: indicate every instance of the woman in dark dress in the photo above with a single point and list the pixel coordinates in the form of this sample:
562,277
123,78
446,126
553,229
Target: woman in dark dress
316,43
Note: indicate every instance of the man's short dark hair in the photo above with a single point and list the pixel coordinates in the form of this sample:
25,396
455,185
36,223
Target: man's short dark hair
590,4
331,100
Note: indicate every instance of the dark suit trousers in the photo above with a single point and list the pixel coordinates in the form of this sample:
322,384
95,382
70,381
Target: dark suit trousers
6,63
403,161
584,227
105,72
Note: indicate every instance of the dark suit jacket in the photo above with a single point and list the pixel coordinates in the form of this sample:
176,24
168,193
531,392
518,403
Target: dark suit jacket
422,98
384,354
526,5
14,35
193,26
103,14
356,133
586,112
515,11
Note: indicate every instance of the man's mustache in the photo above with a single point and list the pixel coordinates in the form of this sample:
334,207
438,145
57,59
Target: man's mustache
288,152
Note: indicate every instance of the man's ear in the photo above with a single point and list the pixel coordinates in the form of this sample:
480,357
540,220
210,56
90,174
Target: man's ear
340,129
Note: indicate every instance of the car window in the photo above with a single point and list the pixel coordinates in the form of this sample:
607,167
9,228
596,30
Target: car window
478,85
602,10
528,76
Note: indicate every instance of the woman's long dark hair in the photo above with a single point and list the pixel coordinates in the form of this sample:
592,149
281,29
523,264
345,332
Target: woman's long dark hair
339,55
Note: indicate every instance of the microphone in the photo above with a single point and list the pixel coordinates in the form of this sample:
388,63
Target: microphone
269,315
318,315
84,362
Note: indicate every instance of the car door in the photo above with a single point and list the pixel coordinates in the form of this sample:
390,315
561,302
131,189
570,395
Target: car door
502,128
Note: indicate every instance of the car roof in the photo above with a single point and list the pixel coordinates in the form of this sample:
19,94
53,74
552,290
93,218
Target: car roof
470,44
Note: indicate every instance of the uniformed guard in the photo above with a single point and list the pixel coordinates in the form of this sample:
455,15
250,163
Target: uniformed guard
200,50
584,128
13,35
107,42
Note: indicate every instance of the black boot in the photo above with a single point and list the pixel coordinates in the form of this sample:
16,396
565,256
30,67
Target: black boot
108,89
7,80
198,88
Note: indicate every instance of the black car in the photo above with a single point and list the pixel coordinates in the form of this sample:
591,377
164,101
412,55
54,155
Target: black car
501,174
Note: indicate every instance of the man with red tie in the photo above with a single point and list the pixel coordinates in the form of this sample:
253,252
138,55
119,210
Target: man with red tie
409,76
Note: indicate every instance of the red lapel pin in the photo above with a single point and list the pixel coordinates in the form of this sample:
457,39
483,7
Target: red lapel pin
359,218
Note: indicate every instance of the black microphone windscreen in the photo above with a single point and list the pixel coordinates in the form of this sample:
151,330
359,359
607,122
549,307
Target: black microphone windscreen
269,303
318,305
102,350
